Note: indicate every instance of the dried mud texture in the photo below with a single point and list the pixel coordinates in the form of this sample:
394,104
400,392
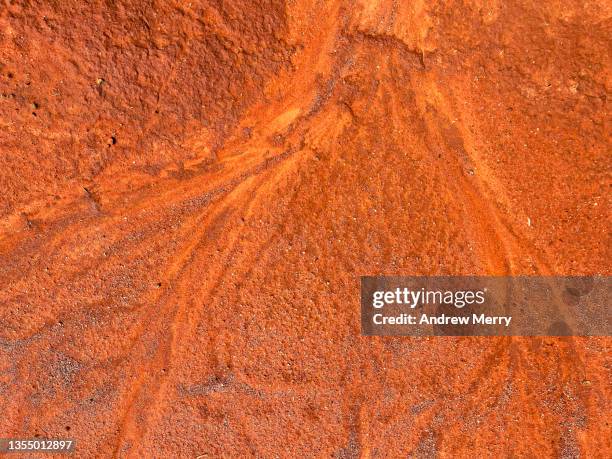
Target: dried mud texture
191,190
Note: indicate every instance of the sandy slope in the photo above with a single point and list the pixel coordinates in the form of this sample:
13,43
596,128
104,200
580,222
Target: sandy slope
189,195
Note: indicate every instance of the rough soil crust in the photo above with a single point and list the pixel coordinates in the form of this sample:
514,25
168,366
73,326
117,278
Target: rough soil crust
189,192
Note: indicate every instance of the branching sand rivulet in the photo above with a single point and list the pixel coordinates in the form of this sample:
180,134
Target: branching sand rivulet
189,192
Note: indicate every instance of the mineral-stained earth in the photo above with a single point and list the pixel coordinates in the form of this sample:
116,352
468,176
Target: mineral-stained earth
191,190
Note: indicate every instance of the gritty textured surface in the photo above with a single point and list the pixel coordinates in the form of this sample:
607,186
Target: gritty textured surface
189,192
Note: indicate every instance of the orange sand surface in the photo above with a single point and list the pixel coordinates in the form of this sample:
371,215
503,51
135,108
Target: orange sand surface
189,192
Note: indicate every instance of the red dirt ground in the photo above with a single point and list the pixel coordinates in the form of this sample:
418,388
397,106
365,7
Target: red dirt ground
189,192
